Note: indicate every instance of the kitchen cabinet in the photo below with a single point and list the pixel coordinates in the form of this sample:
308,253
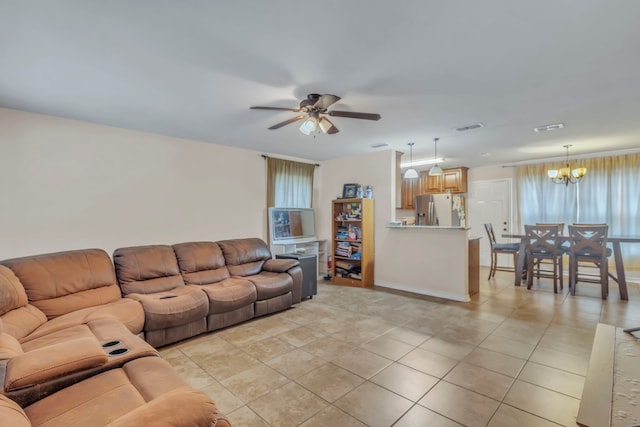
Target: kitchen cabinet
452,180
410,189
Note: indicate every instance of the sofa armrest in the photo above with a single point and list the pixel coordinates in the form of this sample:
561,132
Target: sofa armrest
281,265
196,409
53,361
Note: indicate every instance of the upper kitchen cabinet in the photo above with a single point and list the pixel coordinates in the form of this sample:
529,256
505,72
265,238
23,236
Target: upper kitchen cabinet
452,180
410,188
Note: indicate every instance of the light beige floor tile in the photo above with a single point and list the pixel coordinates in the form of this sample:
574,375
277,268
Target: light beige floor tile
405,381
274,325
542,402
428,362
332,416
576,364
300,336
245,417
446,399
508,346
497,362
225,401
407,336
553,379
388,347
480,380
466,334
225,365
204,346
288,406
268,348
445,347
193,374
354,335
296,363
421,416
327,348
253,383
373,405
330,381
243,334
362,362
508,416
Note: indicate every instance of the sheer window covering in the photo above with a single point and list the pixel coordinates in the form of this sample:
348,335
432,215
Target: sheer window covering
609,193
289,183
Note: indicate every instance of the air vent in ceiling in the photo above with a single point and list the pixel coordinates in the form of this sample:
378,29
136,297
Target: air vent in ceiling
470,127
384,144
549,127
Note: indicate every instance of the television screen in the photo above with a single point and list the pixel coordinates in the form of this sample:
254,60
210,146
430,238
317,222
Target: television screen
292,224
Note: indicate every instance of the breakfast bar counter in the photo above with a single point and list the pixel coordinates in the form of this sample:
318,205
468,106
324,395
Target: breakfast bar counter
436,261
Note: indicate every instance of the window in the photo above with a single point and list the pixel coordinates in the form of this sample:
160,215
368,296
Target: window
610,193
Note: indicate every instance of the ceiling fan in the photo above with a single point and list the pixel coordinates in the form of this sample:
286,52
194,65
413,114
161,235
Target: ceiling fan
314,109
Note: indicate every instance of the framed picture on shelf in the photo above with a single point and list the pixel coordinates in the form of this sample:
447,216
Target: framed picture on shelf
349,191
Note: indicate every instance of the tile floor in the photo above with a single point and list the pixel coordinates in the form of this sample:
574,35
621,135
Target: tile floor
362,357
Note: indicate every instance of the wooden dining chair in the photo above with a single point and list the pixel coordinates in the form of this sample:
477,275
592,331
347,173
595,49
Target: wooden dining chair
588,247
500,248
543,245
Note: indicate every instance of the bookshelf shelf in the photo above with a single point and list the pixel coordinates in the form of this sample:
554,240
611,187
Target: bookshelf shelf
352,242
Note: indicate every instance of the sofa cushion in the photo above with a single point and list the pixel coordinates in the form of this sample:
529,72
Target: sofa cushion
229,294
23,321
201,262
145,391
62,282
12,414
147,269
12,294
244,257
270,285
175,307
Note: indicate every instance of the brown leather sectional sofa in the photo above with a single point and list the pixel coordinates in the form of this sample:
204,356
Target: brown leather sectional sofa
77,332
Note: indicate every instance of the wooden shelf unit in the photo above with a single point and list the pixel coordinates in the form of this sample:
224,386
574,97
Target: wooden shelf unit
344,219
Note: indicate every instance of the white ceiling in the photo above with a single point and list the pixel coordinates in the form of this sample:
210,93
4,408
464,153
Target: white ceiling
193,68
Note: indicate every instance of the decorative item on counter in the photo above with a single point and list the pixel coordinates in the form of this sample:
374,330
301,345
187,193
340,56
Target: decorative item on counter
359,192
369,192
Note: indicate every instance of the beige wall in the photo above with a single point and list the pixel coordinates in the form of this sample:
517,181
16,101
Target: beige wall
68,185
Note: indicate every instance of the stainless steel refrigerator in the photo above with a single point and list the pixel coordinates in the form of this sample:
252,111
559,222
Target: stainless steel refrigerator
444,210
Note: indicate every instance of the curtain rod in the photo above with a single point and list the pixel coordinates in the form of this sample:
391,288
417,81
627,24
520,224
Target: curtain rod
264,156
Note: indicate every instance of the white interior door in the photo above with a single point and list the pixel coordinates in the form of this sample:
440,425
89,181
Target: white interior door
490,201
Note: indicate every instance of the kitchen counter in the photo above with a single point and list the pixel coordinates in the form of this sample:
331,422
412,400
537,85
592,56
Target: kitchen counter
436,261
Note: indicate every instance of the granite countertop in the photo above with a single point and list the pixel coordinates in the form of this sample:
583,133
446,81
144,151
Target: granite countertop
434,227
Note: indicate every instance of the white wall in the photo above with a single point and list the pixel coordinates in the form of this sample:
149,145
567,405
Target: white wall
68,184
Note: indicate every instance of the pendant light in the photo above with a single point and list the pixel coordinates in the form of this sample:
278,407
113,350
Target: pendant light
411,173
435,169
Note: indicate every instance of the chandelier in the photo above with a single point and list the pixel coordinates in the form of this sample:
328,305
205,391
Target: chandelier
567,175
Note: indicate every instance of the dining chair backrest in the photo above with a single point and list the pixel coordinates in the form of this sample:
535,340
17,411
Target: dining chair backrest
589,240
542,239
560,225
492,237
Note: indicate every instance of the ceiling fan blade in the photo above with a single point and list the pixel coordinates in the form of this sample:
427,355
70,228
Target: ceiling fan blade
325,101
295,110
286,122
327,127
354,115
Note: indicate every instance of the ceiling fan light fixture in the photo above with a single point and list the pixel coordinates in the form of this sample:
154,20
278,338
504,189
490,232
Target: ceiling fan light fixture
435,169
309,125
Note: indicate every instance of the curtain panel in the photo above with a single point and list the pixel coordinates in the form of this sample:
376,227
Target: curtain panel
609,193
289,183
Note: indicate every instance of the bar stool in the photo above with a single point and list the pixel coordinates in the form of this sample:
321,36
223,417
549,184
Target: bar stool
588,244
500,248
543,244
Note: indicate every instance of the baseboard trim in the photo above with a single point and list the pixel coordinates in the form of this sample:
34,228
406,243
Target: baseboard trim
421,291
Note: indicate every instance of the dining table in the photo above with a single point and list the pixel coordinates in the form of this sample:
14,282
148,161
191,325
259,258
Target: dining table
615,241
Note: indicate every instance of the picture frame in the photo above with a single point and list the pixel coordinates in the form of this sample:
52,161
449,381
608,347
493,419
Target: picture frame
349,191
